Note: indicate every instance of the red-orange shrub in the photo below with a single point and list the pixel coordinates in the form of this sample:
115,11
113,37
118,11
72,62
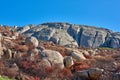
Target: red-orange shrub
65,73
79,66
34,78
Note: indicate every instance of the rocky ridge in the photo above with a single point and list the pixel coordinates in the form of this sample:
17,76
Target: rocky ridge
72,35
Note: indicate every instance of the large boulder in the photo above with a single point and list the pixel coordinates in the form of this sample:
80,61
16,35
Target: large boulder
32,42
44,63
77,55
33,53
54,57
92,74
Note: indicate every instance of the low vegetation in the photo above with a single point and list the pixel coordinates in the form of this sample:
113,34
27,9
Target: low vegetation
25,62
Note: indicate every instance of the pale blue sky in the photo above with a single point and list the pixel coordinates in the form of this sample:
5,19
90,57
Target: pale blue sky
102,13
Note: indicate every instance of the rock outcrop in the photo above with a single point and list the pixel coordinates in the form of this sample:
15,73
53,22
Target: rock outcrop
75,35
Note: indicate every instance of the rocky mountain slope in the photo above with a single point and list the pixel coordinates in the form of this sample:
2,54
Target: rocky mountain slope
27,58
73,35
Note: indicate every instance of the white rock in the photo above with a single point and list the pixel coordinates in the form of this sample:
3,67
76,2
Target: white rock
77,55
68,61
54,57
31,41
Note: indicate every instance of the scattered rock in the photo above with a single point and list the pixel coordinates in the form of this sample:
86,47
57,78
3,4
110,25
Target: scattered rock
86,52
92,52
77,55
8,54
116,76
72,45
68,61
41,48
34,51
95,73
92,74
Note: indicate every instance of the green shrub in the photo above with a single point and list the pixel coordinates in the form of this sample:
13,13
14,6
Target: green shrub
4,78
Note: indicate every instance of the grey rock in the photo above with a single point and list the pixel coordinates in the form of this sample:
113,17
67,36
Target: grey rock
41,48
92,52
116,76
77,55
114,43
71,34
7,54
33,53
86,53
91,37
54,57
68,61
93,73
82,74
31,42
24,29
44,62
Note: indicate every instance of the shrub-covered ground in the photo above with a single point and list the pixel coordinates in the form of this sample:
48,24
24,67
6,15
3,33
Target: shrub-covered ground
20,61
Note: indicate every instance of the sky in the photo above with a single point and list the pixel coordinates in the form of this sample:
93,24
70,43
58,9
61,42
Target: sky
101,13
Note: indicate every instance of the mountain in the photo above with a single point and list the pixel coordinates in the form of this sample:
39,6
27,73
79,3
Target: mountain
27,58
73,35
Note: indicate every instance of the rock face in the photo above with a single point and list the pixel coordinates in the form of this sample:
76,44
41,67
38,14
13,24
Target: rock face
71,34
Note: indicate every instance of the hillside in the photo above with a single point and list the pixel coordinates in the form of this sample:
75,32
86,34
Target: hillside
34,53
73,35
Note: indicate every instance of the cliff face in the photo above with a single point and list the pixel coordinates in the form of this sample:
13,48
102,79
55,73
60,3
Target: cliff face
75,35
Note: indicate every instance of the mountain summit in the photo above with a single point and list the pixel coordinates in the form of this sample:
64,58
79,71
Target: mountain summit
73,35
